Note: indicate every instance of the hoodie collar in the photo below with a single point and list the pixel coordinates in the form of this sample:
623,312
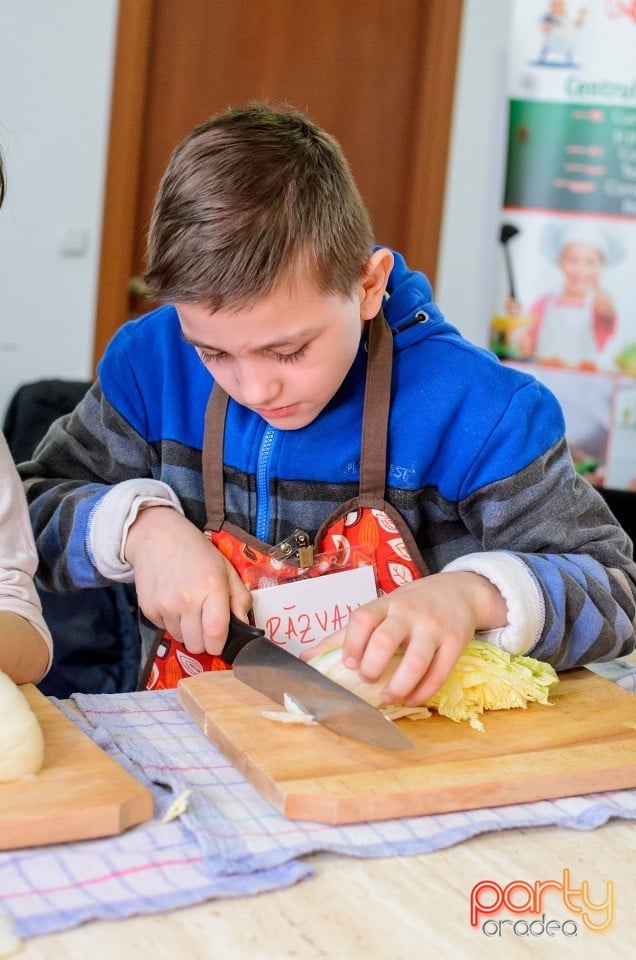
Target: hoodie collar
408,301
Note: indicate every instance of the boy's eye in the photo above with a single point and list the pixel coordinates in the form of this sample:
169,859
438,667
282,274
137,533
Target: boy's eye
291,357
207,357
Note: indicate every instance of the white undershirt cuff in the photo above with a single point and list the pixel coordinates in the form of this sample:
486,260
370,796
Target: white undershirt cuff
114,515
521,592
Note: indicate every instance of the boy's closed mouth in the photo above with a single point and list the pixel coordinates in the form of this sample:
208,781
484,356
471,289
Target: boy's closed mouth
274,413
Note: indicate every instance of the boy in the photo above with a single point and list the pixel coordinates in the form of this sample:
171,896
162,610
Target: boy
262,251
25,641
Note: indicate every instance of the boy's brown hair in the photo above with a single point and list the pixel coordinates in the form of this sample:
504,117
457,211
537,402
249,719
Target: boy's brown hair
252,198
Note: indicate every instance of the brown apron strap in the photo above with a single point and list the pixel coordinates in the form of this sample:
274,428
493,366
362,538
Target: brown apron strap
377,402
375,422
212,458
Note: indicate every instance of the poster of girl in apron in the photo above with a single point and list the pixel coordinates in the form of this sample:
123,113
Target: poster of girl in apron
574,322
566,252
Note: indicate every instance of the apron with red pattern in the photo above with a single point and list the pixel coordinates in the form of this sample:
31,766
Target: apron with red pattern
365,527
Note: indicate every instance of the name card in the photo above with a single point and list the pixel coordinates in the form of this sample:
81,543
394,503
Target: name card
300,614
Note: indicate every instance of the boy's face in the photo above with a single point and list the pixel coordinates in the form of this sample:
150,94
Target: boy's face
285,357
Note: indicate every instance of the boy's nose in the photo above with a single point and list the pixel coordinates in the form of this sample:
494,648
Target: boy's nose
258,390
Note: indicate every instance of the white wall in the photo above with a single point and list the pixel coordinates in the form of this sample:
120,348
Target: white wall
56,61
474,188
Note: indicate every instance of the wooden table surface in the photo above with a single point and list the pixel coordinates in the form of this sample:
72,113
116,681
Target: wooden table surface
403,908
400,908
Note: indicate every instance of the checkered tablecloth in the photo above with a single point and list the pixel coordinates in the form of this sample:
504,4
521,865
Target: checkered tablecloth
228,841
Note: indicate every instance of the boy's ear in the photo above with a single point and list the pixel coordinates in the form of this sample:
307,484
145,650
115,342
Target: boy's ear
373,282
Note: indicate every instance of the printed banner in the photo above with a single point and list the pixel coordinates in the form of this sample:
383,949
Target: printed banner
565,304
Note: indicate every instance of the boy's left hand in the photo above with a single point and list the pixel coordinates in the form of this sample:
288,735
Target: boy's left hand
431,619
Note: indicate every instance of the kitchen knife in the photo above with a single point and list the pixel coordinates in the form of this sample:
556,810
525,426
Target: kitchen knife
239,633
275,672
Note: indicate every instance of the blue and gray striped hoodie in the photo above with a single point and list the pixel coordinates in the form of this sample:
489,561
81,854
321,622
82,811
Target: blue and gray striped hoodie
477,465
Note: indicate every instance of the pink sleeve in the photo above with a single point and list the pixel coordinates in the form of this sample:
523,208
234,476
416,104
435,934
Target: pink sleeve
604,327
537,313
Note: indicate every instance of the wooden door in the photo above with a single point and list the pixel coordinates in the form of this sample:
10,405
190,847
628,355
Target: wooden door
378,74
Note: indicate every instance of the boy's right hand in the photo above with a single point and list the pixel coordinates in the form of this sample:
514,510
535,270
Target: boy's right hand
184,584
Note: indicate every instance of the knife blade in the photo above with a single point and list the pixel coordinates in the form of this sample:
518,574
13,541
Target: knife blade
275,672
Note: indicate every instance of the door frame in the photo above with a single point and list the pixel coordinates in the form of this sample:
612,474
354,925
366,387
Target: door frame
429,159
132,53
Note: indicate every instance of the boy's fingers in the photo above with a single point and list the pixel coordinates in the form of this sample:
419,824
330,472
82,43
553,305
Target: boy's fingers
239,595
215,609
415,666
171,625
362,622
441,664
386,638
190,633
215,622
333,640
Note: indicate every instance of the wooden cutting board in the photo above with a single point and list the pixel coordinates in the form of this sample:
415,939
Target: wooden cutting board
585,742
79,793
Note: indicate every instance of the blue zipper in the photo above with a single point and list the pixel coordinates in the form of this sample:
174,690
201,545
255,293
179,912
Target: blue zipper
262,486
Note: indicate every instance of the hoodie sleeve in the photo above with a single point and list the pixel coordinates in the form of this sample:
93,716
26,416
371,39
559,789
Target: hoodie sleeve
552,547
90,475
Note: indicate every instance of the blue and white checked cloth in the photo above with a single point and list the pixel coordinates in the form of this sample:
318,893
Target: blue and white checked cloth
229,841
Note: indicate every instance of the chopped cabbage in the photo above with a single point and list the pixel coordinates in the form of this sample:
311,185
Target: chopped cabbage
292,712
484,678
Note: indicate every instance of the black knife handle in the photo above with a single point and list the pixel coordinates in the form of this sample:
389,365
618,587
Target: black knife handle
239,633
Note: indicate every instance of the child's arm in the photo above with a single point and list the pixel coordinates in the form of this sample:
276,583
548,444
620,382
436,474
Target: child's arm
184,584
127,527
89,477
550,547
124,448
431,619
550,544
24,656
25,641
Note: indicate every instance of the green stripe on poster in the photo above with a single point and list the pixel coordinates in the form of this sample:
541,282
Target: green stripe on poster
567,156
